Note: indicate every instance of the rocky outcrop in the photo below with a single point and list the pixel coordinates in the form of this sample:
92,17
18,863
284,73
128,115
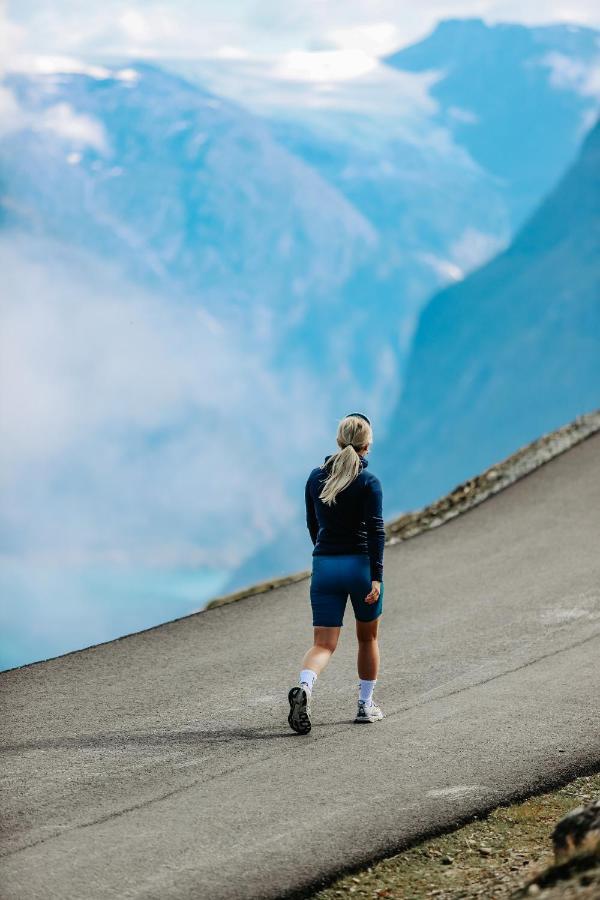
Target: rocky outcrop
495,478
576,869
578,834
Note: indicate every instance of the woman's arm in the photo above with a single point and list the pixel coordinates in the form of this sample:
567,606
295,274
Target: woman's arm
311,516
373,517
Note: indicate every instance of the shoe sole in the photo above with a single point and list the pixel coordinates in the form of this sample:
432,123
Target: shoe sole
367,719
298,718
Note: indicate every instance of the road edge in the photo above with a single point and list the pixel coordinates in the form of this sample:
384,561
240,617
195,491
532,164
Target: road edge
461,498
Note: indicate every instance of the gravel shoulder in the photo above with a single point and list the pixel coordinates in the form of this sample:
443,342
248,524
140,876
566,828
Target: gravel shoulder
499,857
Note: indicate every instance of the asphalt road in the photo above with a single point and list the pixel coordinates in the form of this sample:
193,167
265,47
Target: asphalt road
161,765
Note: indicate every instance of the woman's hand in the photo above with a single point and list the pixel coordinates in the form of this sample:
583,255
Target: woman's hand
373,595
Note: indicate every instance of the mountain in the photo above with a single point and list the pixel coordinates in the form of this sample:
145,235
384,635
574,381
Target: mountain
445,147
365,210
185,283
507,354
513,349
518,98
436,212
194,199
511,352
142,168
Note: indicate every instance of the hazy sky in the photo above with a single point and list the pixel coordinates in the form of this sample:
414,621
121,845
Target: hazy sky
308,39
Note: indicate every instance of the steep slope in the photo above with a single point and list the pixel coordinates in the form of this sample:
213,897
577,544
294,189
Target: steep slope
187,191
517,97
509,353
445,147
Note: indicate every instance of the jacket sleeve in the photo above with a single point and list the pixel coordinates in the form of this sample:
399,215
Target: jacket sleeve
373,517
311,517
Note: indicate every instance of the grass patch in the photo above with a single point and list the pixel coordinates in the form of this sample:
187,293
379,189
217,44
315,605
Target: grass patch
495,857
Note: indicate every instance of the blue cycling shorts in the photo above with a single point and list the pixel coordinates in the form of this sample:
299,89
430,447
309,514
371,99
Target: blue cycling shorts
333,578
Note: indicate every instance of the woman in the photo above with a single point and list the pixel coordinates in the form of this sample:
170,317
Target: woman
344,518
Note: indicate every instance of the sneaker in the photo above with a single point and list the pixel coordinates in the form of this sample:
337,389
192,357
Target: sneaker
299,715
368,712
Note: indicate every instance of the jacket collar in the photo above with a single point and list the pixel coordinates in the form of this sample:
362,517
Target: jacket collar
363,459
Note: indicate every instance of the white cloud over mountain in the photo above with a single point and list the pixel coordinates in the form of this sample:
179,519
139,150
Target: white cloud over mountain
234,28
116,404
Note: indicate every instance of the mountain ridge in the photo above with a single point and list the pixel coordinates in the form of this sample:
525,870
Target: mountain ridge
509,352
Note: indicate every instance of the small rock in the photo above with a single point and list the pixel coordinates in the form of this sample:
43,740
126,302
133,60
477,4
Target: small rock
447,860
577,833
533,890
485,851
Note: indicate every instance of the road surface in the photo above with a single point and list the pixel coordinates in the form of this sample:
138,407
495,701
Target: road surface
161,765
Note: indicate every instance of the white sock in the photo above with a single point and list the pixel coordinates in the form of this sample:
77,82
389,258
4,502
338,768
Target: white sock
307,676
366,690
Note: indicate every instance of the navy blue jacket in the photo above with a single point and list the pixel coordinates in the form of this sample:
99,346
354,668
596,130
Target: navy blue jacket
354,524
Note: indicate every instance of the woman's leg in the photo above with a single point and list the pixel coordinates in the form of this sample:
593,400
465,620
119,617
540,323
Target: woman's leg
368,649
325,642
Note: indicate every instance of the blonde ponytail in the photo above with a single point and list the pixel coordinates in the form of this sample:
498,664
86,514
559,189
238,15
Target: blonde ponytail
354,433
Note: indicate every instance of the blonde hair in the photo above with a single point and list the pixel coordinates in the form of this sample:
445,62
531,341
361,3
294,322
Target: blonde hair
353,434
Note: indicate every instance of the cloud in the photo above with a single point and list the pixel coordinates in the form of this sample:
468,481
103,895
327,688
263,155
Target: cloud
11,37
134,420
230,52
473,248
375,38
323,65
567,73
76,128
288,58
270,29
48,65
60,119
370,112
145,451
11,114
463,115
445,268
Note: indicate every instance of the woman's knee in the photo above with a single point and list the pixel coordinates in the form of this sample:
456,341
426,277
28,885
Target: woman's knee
366,632
327,638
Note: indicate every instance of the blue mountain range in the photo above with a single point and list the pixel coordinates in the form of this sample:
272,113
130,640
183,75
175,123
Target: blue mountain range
428,269
511,352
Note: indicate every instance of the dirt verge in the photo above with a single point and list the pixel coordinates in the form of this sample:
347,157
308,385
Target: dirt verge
504,856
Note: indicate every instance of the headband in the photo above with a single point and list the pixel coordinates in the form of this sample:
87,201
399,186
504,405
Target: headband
360,416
